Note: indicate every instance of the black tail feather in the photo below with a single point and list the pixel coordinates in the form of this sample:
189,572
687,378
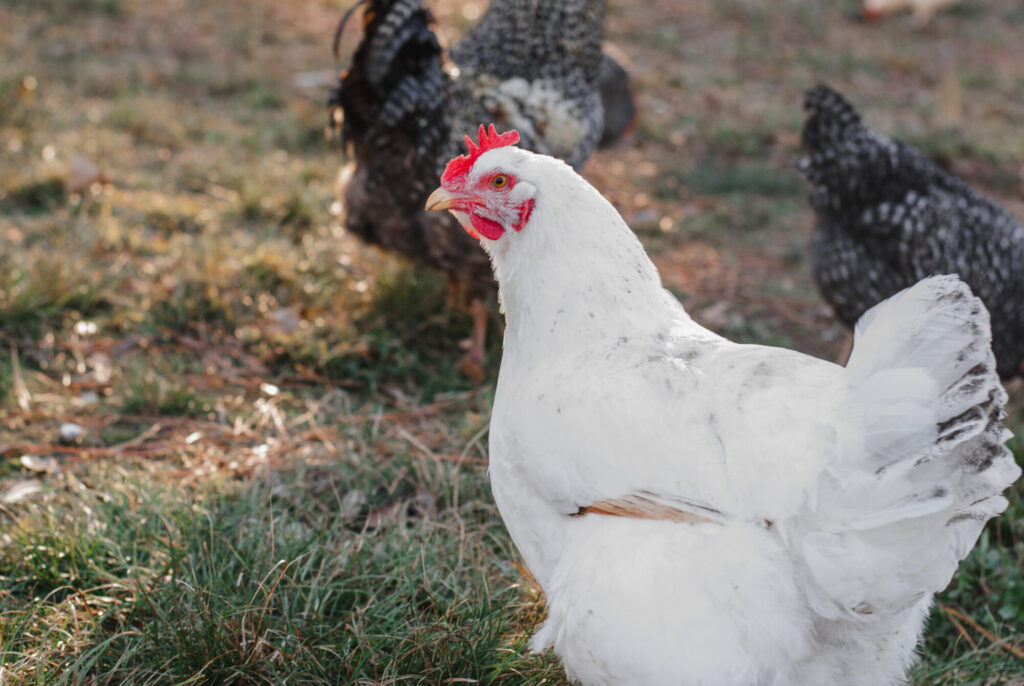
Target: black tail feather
398,26
831,119
395,79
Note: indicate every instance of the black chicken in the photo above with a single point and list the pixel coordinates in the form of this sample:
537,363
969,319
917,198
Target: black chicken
531,65
888,217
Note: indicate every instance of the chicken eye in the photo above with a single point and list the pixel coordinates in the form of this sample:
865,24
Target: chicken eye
499,181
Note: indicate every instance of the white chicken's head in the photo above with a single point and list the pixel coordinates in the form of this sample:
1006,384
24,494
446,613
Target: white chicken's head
545,228
485,189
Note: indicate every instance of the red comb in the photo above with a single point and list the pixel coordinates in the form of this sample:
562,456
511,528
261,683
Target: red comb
489,139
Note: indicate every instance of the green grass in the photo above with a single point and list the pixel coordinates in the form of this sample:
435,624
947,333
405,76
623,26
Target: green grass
410,337
320,575
379,565
45,292
712,178
160,386
35,197
65,7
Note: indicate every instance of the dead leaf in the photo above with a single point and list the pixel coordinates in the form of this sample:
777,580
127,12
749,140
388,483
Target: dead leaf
20,390
351,504
35,463
20,490
383,514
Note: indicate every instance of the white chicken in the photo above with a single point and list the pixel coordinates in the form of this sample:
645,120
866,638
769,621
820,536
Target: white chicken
706,513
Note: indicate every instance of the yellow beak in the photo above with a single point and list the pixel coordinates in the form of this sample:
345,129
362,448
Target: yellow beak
443,199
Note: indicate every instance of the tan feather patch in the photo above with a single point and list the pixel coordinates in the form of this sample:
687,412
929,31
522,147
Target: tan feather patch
639,507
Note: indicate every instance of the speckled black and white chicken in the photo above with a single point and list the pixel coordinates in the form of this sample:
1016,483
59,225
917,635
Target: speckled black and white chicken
403,106
888,217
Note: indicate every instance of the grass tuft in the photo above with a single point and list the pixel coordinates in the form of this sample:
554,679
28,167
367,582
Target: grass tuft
35,197
713,178
257,584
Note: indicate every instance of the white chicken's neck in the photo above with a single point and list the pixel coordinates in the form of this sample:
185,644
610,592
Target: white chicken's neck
576,275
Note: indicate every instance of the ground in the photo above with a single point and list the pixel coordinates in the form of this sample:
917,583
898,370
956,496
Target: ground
272,472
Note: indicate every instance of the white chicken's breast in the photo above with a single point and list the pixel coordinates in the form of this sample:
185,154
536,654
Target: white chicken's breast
703,512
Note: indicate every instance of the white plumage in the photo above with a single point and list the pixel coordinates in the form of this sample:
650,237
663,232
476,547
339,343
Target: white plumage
820,506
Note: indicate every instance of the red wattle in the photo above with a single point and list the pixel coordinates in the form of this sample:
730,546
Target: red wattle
486,227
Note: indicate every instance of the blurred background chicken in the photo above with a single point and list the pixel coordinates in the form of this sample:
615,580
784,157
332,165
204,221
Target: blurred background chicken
922,10
403,109
887,218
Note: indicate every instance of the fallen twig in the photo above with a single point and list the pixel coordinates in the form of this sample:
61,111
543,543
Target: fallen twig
956,615
20,390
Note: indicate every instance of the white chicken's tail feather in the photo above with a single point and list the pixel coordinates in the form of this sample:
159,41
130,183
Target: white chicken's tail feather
922,461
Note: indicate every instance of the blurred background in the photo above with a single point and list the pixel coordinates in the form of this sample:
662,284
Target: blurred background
234,446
